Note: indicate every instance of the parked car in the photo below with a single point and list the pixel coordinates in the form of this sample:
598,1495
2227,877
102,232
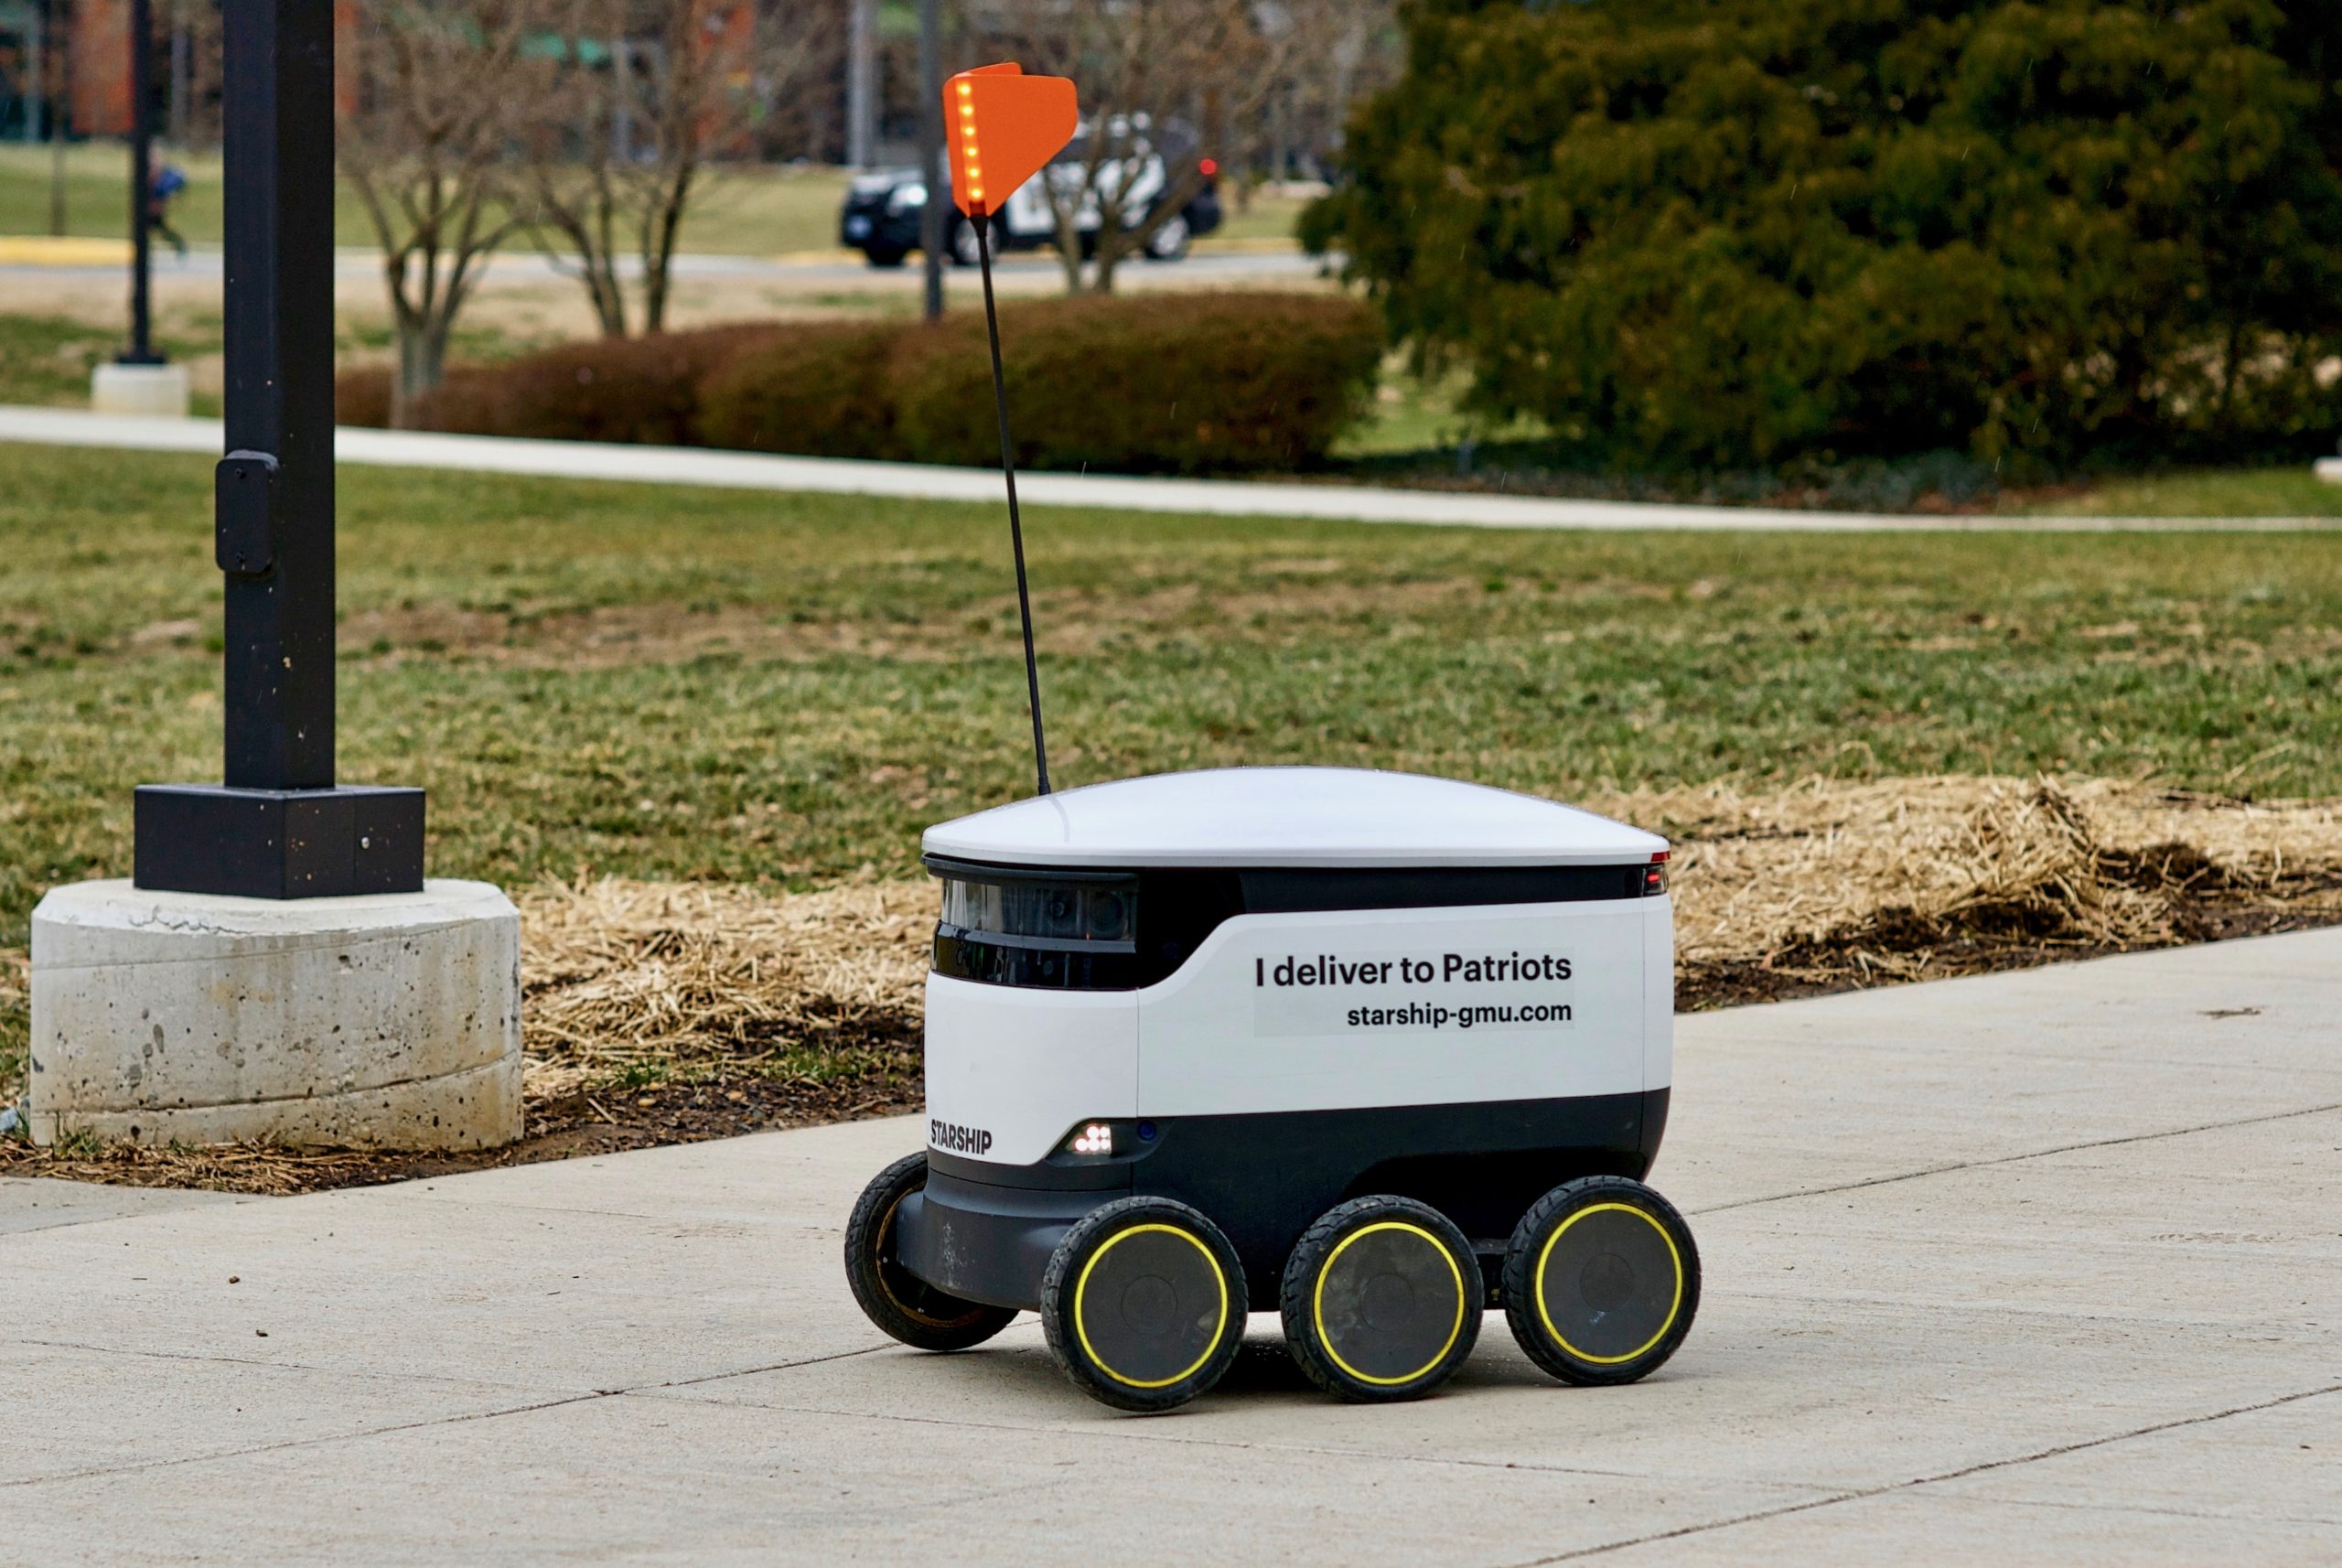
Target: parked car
884,210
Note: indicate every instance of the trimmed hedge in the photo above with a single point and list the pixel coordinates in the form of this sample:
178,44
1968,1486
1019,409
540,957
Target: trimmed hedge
1168,384
1163,384
819,389
606,389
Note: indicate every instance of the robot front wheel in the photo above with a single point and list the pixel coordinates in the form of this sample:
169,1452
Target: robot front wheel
894,1298
1143,1304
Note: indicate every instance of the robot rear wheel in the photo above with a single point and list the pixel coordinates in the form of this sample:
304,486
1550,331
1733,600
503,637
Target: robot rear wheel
892,1297
1382,1300
1601,1280
1143,1303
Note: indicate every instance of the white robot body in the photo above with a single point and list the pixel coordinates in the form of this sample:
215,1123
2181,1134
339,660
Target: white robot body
1256,991
1311,1012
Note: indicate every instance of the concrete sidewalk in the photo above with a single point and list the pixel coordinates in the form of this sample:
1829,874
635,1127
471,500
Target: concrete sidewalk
920,481
1219,261
2044,1266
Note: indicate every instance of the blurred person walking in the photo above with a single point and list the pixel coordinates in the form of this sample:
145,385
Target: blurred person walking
168,181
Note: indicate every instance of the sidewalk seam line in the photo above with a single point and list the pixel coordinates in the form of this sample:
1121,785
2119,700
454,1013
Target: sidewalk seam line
1867,1493
2016,1159
306,1367
94,1472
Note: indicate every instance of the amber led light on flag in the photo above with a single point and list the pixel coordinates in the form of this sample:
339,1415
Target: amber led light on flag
1002,127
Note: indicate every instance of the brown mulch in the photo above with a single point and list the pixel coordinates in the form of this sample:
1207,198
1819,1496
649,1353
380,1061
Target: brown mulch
663,1013
1828,886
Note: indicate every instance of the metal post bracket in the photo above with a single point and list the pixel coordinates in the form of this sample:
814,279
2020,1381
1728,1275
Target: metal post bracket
244,513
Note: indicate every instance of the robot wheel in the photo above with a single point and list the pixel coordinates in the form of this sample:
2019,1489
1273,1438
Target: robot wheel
890,1296
1382,1300
1601,1280
1143,1303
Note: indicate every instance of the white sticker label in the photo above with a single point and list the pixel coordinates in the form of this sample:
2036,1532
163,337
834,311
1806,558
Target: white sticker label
1335,993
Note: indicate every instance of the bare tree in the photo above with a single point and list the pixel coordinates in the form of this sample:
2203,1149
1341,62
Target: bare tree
442,88
192,33
647,93
1137,63
1331,53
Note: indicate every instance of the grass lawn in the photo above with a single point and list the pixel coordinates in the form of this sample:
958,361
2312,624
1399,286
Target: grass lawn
752,209
755,210
2295,490
46,360
780,689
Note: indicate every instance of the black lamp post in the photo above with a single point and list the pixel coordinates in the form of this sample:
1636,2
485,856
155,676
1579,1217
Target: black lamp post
142,184
931,156
278,827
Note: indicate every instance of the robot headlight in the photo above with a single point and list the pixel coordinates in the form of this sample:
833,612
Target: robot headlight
1105,1140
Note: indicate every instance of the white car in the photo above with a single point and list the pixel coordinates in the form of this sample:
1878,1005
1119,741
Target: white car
883,210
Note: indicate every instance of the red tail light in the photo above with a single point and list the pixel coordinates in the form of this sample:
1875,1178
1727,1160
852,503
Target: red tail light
1211,167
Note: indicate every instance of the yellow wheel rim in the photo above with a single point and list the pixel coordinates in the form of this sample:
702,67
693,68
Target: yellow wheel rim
1082,1291
1318,1302
1673,1307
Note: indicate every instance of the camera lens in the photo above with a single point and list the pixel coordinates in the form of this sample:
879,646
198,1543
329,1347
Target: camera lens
1110,917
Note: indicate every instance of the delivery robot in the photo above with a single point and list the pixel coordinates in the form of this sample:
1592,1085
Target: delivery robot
1373,1051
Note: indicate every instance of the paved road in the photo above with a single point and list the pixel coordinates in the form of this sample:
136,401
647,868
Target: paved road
1339,503
97,258
2036,1267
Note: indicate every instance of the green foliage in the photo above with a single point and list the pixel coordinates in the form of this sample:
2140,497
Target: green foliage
1184,383
1729,232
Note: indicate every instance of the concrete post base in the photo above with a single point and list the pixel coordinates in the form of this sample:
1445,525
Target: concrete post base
389,1021
139,389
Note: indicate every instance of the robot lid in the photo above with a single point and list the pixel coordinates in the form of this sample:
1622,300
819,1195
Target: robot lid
1290,817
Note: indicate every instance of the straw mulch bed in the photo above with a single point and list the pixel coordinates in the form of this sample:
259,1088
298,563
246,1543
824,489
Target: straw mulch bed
662,1013
1830,886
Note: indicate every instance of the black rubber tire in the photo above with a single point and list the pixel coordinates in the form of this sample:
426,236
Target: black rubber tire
1317,1332
1645,1334
1195,1360
891,1296
885,257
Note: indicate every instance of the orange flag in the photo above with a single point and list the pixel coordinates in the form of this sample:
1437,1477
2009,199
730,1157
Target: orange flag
1002,127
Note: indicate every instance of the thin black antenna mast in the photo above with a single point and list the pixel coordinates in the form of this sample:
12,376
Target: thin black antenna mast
1016,521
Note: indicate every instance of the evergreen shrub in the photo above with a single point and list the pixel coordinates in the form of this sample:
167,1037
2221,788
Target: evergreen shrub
1728,233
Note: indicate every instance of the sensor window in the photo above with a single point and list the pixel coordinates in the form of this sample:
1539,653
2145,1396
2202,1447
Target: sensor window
1067,932
1066,911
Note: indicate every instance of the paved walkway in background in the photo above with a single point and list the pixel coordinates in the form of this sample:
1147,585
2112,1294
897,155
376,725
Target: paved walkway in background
2038,1267
1341,503
1216,261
